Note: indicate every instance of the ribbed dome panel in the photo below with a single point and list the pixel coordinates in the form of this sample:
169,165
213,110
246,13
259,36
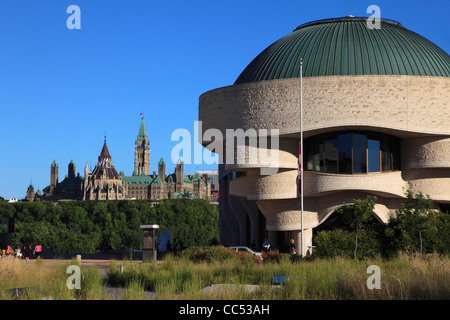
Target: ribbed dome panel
346,46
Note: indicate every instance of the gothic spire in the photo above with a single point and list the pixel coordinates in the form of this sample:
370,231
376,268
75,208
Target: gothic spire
105,153
142,133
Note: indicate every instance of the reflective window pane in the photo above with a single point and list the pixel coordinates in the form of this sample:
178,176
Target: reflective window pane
359,153
395,143
386,154
373,155
345,153
308,151
321,154
352,152
318,154
331,155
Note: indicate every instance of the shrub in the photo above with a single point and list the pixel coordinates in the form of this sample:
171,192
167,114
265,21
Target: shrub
247,257
271,256
340,243
218,254
209,254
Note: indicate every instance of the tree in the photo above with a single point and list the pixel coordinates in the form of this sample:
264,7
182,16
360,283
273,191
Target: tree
358,215
413,217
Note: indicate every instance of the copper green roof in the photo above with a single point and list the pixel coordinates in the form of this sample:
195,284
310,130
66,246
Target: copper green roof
186,180
157,180
54,164
142,133
346,46
141,180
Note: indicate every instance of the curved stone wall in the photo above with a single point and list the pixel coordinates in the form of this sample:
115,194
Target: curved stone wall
406,104
426,152
413,108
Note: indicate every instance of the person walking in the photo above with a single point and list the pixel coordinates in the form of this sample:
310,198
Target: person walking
38,250
27,251
292,247
266,245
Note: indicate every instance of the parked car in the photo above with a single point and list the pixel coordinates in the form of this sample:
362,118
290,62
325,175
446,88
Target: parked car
245,249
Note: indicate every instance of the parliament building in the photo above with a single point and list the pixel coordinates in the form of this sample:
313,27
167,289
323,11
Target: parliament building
105,183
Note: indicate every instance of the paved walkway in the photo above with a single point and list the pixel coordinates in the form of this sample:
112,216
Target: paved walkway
103,266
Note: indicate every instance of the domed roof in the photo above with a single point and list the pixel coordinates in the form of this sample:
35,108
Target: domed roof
346,46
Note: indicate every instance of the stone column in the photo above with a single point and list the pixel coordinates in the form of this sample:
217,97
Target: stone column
240,216
307,241
227,215
252,212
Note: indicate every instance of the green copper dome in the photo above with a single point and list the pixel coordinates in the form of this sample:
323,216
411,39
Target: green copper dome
346,46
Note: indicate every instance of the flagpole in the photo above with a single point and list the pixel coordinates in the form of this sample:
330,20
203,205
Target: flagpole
301,152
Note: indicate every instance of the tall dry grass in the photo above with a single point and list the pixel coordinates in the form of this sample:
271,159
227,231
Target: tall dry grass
403,278
45,281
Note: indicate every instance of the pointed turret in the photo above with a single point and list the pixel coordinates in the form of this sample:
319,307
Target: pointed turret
71,169
142,151
179,175
105,153
162,169
86,170
53,178
142,133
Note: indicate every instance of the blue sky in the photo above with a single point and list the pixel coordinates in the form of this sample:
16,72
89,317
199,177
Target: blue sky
61,89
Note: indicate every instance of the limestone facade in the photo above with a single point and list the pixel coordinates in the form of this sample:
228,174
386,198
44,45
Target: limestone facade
414,109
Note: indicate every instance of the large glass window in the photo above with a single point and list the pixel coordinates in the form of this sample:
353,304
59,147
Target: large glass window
318,154
352,152
373,155
331,155
309,151
345,153
359,153
386,155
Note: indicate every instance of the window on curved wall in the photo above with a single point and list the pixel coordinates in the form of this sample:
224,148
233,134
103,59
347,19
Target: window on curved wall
352,152
359,153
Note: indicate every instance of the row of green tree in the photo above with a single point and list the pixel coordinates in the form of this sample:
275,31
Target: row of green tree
417,227
94,226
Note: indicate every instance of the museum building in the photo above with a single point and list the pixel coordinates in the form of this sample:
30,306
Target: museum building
376,121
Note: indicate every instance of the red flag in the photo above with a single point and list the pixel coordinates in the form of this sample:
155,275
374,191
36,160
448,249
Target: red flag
140,114
299,175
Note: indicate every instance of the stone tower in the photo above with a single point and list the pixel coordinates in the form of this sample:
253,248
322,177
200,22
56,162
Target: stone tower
30,193
53,177
71,172
142,152
179,174
162,169
86,171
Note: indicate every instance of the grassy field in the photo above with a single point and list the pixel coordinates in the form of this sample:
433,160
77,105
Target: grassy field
402,278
